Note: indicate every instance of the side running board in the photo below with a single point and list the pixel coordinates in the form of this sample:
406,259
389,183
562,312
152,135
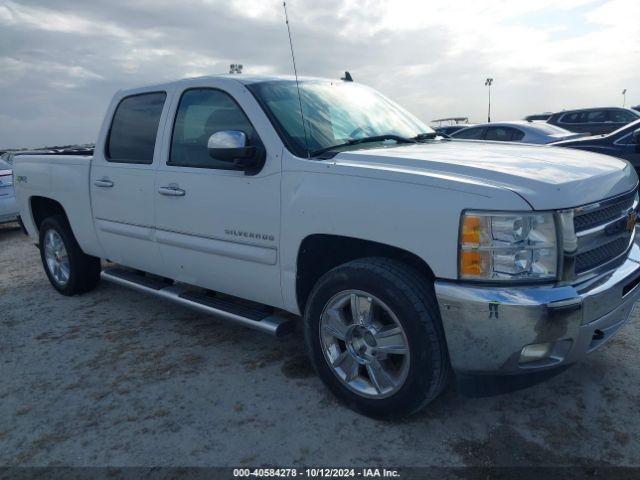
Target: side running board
246,313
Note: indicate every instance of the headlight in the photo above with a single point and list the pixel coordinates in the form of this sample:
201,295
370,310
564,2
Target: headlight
508,246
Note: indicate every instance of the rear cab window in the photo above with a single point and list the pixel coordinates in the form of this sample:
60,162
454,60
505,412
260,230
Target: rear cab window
134,128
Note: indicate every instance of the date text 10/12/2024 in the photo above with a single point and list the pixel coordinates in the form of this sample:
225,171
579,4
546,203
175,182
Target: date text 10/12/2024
316,473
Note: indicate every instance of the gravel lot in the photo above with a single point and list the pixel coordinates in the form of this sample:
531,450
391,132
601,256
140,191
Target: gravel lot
120,379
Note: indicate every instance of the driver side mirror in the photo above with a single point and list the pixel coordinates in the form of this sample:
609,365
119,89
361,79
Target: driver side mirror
232,146
636,137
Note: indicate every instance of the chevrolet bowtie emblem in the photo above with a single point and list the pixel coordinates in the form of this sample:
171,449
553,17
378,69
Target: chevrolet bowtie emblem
631,221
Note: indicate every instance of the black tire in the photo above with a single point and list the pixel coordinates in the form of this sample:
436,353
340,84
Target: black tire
84,270
411,297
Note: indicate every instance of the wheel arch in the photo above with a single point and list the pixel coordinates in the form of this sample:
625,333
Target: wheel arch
44,207
319,253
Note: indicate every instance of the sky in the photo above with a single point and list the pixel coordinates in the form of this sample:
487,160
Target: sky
62,60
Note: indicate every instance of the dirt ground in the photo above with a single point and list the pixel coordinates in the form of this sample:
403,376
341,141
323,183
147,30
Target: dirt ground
120,379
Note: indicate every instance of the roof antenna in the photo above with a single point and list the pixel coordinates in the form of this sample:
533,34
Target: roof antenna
295,72
347,77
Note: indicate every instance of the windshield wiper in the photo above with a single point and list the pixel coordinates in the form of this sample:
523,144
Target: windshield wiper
357,141
425,136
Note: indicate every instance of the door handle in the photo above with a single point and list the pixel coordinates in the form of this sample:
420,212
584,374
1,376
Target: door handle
103,182
171,190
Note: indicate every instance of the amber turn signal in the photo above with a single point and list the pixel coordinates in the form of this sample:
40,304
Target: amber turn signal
471,229
472,263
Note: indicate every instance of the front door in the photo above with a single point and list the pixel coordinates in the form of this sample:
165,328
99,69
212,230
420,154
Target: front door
215,226
122,182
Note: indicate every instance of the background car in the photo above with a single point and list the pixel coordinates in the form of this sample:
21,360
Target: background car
8,205
9,157
520,131
623,143
538,117
449,129
594,121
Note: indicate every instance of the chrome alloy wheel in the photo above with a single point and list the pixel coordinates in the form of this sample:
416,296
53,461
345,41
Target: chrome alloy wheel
364,344
56,257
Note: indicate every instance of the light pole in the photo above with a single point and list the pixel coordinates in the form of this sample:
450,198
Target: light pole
624,97
488,83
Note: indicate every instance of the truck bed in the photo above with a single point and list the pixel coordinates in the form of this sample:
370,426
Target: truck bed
65,179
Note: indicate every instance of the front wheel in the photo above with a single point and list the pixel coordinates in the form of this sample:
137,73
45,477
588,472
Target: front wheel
373,330
68,268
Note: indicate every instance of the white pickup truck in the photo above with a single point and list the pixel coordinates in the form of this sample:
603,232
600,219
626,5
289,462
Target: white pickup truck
410,258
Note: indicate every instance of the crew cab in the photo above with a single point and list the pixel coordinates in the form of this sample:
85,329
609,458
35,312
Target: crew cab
406,257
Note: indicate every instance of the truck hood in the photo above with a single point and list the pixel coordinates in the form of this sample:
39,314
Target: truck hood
546,177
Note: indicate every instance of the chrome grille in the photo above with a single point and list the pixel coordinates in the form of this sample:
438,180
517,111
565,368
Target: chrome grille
597,256
602,232
589,217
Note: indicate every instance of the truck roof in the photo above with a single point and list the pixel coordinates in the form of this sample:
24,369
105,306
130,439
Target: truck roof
241,78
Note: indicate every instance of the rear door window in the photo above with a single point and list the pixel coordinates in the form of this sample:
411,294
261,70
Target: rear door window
132,137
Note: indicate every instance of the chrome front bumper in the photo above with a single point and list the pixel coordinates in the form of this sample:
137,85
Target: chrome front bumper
487,328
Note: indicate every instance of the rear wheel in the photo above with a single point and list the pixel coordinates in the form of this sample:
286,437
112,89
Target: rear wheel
68,268
373,330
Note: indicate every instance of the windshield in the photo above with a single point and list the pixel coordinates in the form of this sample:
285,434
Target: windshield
334,113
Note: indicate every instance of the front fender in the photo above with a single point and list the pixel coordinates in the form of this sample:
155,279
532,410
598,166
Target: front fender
414,213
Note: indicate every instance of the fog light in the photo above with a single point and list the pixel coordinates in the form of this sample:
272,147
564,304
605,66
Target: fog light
536,352
544,354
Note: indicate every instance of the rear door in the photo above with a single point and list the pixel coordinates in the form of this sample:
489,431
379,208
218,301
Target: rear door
123,181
